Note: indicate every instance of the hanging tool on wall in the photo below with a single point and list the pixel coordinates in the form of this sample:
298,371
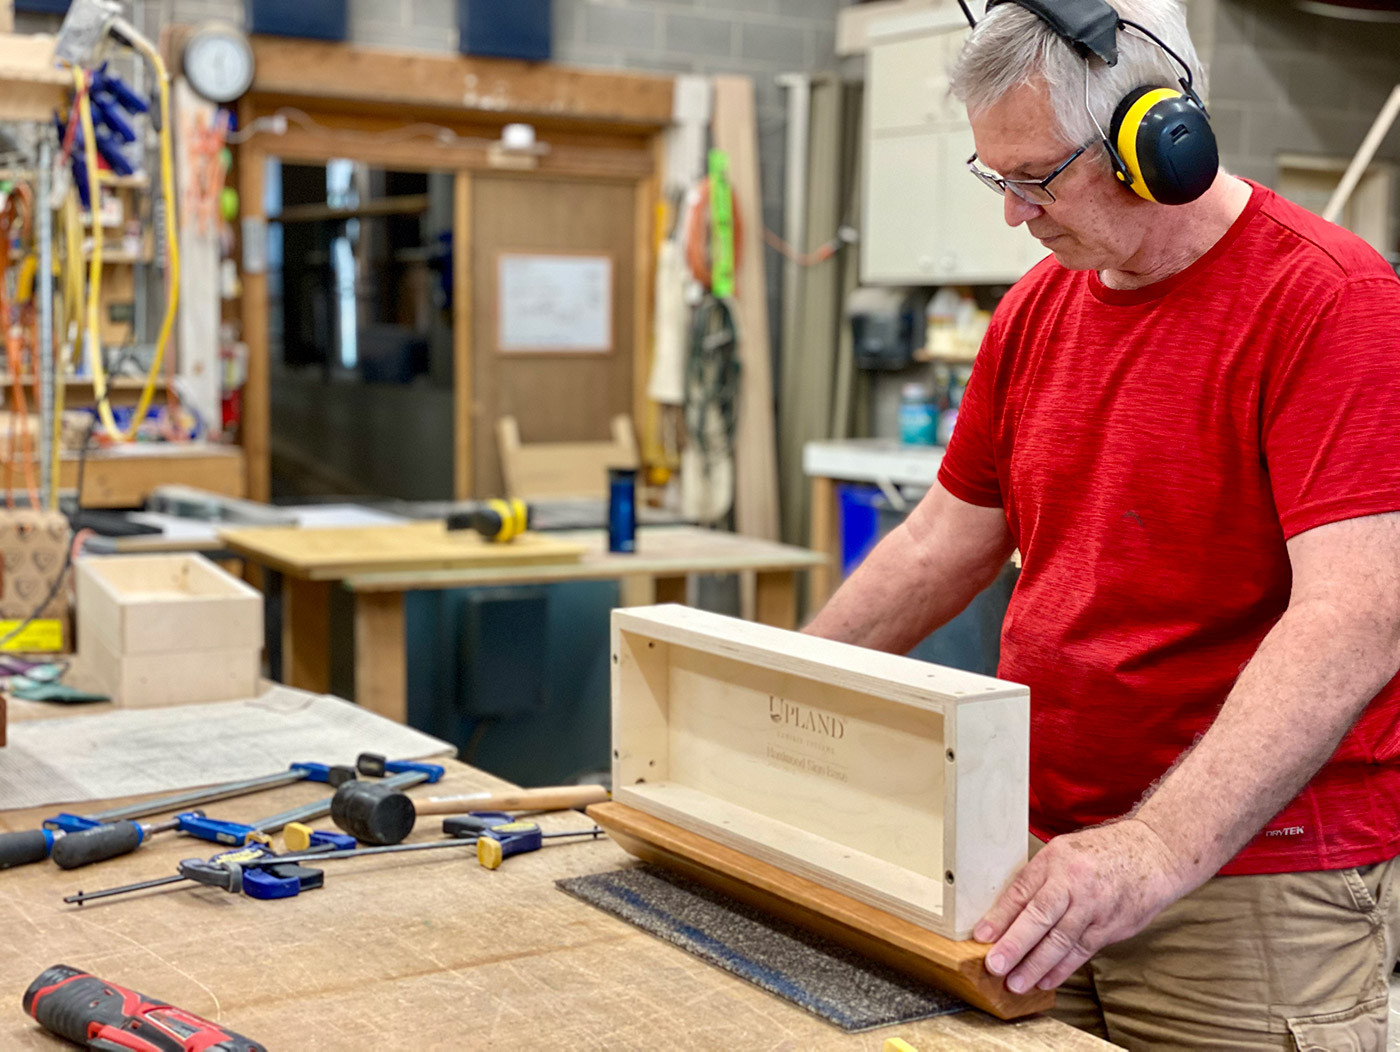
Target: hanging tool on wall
89,27
22,848
97,1014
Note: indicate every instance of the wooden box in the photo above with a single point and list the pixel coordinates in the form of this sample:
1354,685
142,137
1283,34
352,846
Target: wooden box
899,784
167,629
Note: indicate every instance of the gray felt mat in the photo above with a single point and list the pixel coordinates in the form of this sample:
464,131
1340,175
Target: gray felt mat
809,970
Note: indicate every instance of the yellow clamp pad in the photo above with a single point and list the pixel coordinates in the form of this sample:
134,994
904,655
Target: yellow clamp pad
895,1044
297,837
488,852
488,848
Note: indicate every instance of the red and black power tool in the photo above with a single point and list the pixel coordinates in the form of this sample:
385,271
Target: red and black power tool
109,1018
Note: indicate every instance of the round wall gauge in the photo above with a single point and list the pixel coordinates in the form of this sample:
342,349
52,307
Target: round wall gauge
218,62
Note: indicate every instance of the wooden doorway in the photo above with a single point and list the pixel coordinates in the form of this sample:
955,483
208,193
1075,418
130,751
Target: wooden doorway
570,387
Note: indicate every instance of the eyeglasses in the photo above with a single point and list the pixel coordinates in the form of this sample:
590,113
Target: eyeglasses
1034,191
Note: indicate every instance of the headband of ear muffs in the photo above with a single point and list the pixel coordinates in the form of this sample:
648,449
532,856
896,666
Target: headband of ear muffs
1165,147
1160,139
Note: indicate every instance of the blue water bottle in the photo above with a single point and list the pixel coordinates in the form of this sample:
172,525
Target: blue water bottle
622,509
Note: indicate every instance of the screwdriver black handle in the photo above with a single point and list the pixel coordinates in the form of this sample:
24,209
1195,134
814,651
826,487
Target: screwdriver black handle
98,844
20,849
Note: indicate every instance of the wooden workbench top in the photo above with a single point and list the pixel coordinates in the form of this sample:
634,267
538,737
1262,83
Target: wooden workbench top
424,950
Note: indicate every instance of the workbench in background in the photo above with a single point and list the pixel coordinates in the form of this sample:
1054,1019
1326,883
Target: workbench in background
656,572
423,951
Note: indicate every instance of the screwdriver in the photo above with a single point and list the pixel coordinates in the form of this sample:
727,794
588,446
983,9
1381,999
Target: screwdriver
120,838
35,845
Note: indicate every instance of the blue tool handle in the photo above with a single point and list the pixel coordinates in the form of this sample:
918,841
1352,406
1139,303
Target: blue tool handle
335,841
130,101
98,845
111,116
70,823
20,849
196,824
111,152
517,843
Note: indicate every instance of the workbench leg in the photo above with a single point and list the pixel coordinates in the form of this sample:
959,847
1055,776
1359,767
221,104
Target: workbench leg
670,590
825,538
636,590
776,601
306,634
381,659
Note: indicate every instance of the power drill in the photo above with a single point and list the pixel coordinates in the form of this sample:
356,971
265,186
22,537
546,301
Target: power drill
496,520
109,1018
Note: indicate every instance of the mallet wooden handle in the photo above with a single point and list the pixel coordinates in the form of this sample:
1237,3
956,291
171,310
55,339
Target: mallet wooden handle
554,798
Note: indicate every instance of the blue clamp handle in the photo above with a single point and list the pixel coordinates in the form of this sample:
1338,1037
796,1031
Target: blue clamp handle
259,883
198,825
432,770
70,823
338,841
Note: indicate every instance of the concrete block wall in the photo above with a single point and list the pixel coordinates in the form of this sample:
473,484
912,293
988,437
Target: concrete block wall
1283,80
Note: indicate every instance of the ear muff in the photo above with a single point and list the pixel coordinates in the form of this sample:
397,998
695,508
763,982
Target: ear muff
1165,144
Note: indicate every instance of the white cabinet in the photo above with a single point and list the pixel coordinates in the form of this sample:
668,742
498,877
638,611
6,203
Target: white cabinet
926,220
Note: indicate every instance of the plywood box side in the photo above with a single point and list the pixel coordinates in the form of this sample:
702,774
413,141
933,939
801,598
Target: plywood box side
988,804
150,680
892,676
916,898
155,604
640,707
812,754
99,609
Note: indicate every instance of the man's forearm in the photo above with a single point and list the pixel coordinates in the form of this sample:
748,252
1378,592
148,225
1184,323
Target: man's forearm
918,578
1312,676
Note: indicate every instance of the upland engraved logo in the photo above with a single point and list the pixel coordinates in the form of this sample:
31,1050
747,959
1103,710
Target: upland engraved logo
790,714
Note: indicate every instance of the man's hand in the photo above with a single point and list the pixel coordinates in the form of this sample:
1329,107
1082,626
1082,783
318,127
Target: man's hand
1081,892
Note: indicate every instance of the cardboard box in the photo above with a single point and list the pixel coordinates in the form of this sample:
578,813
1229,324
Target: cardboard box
167,629
34,545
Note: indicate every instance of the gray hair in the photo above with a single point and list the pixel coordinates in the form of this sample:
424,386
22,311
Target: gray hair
1012,46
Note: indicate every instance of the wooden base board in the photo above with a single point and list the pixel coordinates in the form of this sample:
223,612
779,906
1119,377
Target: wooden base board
953,966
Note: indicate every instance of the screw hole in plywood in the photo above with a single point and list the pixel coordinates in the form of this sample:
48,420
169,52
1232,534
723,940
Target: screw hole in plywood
616,754
948,876
949,754
651,644
614,659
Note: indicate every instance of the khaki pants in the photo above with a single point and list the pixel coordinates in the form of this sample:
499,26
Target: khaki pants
1295,961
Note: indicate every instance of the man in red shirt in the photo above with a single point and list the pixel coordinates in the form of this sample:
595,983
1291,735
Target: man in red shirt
1187,419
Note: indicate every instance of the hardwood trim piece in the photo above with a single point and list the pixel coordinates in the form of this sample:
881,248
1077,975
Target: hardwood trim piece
306,634
955,966
510,88
463,419
354,136
256,428
755,447
381,657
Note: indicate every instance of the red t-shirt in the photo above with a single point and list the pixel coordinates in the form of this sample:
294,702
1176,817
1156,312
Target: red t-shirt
1154,449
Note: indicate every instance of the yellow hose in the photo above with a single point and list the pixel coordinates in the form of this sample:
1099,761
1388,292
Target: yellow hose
167,166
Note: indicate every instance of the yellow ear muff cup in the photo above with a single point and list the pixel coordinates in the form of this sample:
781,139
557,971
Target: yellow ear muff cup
1166,144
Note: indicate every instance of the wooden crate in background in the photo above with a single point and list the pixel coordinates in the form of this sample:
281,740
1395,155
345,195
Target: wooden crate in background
167,629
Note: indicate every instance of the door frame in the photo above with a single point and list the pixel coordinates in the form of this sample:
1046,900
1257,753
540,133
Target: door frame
348,101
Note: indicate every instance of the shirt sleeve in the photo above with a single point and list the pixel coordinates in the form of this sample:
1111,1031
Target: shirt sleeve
1331,414
968,470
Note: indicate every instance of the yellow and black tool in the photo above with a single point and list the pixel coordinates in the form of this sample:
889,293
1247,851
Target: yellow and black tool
496,520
